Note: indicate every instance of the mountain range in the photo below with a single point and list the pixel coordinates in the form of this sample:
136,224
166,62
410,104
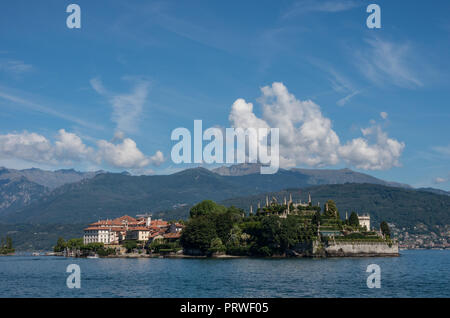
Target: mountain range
85,197
314,176
19,188
48,179
33,201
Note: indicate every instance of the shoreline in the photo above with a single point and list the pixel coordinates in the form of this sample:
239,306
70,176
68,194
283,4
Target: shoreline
28,253
185,256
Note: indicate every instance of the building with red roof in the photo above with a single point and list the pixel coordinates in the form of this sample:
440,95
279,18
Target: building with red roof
126,227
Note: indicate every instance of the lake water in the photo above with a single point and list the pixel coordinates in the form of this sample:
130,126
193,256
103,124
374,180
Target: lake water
423,273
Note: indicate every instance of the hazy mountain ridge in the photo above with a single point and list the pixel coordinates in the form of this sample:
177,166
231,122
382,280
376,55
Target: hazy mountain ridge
312,176
48,179
238,170
330,176
434,190
19,192
114,194
20,188
111,195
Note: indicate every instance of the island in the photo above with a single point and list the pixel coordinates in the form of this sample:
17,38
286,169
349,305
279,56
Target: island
279,228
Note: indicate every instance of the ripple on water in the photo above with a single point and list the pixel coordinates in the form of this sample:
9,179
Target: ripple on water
414,274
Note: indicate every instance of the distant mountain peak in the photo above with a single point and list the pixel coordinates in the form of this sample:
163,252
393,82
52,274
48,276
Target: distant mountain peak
196,170
67,171
48,179
313,176
241,169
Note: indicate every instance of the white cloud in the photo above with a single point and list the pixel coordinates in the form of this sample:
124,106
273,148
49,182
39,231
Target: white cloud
388,62
305,6
26,146
381,155
97,85
242,115
157,159
384,115
125,154
33,105
119,135
127,108
68,148
33,147
307,137
339,83
442,150
438,180
347,98
14,67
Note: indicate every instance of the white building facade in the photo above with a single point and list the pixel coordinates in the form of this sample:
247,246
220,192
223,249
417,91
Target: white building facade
364,220
100,235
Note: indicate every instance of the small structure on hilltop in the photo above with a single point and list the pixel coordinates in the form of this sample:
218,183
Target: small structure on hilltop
364,221
288,207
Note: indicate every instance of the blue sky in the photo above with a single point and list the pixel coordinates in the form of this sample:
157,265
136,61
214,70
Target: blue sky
108,95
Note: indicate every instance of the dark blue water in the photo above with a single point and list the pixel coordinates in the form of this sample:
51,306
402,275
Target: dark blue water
423,273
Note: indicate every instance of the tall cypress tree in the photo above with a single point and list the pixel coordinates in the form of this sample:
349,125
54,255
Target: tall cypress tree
384,227
353,220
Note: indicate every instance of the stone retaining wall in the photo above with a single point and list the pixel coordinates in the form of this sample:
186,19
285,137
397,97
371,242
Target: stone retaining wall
361,249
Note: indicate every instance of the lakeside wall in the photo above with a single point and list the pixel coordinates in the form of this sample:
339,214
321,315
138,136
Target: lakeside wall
344,249
336,249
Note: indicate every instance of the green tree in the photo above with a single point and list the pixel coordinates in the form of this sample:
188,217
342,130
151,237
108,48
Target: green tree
384,227
332,209
217,246
60,245
290,233
106,251
235,211
268,235
316,218
353,220
130,245
198,234
224,222
235,236
206,207
6,246
9,244
75,243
